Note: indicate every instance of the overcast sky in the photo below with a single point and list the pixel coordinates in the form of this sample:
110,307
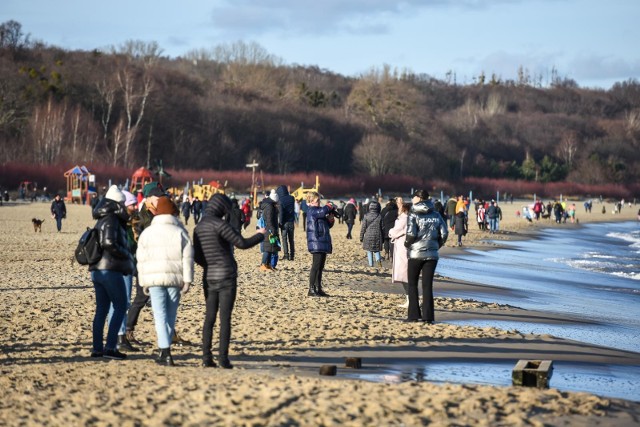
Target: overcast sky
594,42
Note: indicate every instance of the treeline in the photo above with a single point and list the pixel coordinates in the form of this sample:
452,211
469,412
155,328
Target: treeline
224,107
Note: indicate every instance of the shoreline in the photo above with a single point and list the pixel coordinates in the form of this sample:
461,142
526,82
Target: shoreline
49,378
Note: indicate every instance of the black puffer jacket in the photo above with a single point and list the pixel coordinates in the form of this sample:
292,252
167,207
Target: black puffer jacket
426,231
389,215
287,206
270,213
213,240
371,231
112,221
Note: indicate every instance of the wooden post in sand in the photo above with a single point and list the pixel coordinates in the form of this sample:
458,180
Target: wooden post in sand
353,362
532,373
330,370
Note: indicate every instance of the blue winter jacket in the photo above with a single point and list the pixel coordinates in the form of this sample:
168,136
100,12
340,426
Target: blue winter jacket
318,237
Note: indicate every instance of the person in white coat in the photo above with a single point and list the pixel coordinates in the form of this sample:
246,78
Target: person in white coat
165,270
400,262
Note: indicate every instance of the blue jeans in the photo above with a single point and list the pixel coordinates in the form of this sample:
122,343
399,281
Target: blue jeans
164,304
370,256
269,258
493,224
59,222
110,289
128,282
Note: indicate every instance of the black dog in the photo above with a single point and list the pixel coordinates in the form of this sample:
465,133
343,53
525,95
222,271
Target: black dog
37,224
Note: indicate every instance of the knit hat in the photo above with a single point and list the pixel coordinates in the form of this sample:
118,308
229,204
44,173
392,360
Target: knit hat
129,199
115,194
273,196
152,189
165,206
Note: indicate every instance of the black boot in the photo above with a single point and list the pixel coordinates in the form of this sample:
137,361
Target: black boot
164,357
322,293
124,344
207,361
224,362
132,339
313,292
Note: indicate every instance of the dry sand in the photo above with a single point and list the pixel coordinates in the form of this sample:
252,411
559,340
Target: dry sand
280,338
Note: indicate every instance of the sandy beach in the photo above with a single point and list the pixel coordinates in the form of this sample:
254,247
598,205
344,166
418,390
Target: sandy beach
280,339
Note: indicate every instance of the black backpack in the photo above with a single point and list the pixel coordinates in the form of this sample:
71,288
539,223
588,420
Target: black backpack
89,251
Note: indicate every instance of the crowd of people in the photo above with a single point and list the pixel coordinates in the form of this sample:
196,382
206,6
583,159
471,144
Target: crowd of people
145,241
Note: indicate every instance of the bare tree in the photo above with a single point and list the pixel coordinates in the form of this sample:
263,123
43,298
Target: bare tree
48,131
378,154
135,79
568,147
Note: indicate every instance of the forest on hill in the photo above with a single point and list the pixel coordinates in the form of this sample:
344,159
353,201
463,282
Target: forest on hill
221,108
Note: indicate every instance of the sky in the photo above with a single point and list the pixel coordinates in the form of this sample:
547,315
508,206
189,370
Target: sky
594,42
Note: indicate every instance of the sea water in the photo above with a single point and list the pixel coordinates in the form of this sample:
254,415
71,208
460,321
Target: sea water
591,273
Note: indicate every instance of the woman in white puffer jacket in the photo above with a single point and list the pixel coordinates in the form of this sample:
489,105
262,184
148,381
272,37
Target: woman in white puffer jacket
165,270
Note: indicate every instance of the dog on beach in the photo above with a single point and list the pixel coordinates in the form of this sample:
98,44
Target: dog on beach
37,224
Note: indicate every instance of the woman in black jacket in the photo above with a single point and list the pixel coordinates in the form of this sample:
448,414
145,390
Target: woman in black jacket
213,243
108,274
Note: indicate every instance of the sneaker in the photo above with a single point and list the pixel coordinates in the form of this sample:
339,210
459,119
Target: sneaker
266,267
97,354
114,354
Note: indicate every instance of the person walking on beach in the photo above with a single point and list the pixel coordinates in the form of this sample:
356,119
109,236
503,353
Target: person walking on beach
304,208
235,216
108,273
371,234
451,210
58,211
480,216
400,261
246,210
461,224
165,271
426,233
270,246
350,214
196,209
389,215
319,221
214,240
492,215
286,221
185,208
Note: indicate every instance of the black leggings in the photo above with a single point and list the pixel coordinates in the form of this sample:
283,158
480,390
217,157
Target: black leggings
428,269
134,310
223,299
315,276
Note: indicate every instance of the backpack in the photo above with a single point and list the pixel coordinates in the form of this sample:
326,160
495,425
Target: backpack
89,251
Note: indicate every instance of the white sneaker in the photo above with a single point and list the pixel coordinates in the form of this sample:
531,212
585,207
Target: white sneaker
406,303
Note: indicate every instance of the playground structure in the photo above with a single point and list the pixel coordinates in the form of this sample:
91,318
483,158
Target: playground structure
301,192
141,177
80,184
201,191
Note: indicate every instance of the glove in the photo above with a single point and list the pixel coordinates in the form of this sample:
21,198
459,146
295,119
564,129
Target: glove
185,288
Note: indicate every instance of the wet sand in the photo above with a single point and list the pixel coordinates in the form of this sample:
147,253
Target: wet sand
280,338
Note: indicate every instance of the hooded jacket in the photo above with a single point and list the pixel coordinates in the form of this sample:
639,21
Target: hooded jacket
350,213
270,213
287,203
213,240
389,215
111,225
371,234
318,236
426,231
165,253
